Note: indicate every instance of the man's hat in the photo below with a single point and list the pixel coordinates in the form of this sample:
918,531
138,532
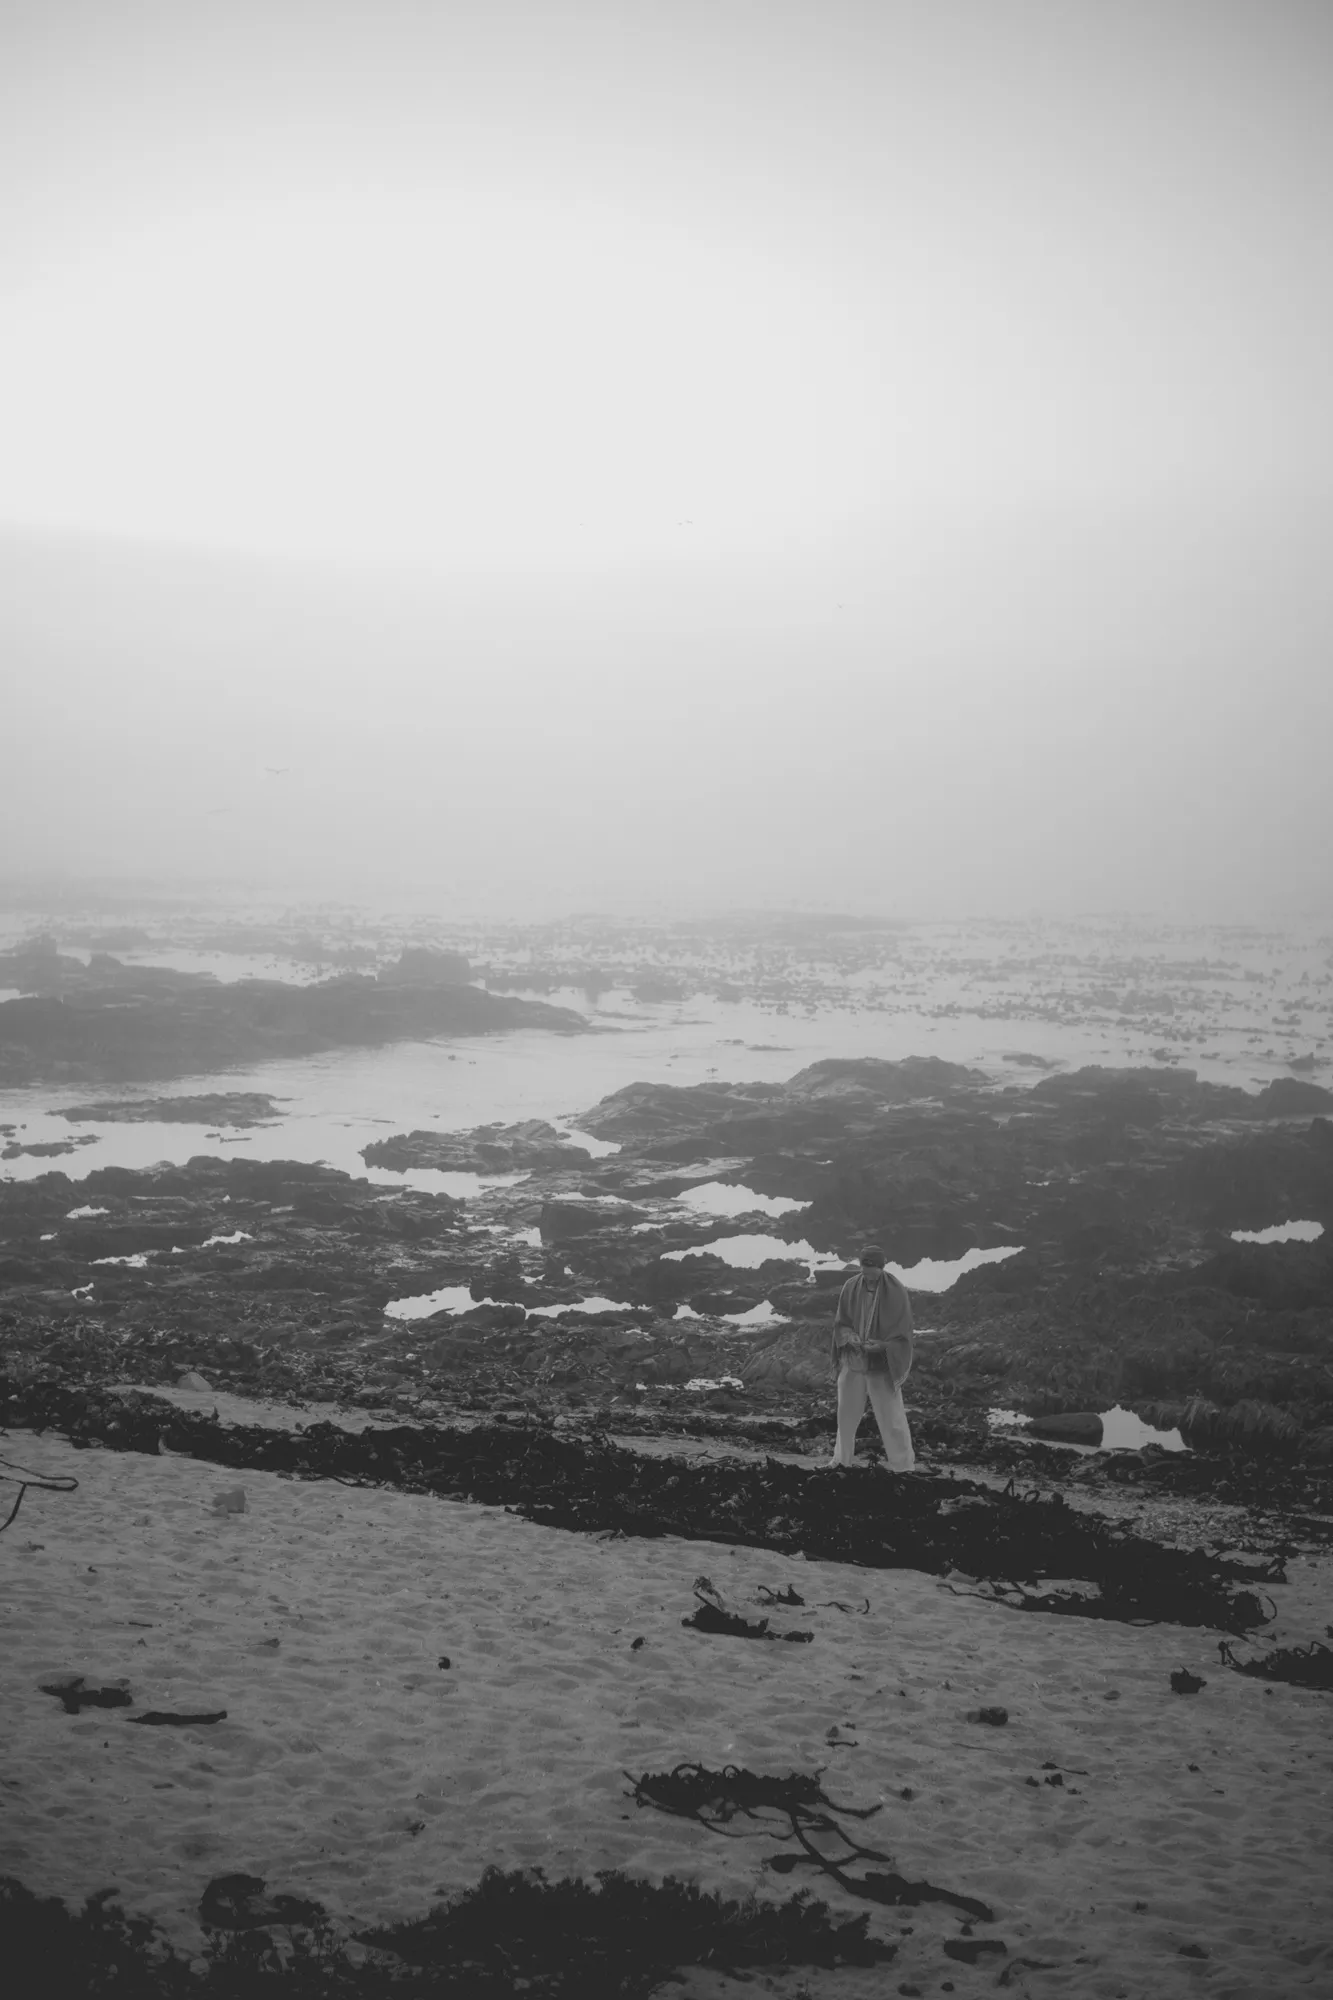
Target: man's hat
872,1254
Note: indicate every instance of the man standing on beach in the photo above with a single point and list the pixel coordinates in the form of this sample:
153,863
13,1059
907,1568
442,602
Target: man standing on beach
872,1352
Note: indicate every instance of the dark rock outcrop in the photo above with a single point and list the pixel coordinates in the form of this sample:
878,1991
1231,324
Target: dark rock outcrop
489,1149
886,1082
1289,1097
45,1149
226,1107
139,1027
420,966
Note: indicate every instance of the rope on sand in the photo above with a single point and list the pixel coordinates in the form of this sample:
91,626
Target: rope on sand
65,1484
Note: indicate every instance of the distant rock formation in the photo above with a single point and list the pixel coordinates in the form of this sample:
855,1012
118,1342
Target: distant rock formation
490,1149
226,1107
37,967
142,1023
419,965
887,1082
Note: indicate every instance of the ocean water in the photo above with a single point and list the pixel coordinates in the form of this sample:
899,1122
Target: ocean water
1121,1431
331,1105
931,1274
730,1199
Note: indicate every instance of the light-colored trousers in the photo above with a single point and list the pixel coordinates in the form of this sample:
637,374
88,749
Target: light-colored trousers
854,1384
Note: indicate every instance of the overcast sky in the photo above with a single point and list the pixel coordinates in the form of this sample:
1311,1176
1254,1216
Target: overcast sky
542,456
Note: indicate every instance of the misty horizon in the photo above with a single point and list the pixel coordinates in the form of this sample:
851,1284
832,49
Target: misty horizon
587,458
174,694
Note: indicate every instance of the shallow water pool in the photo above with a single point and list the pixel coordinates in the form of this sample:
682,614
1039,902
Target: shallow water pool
726,1199
932,1274
1281,1232
1122,1430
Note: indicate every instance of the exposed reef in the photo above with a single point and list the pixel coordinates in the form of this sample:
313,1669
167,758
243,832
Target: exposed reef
222,1107
580,1280
43,1149
489,1149
109,1022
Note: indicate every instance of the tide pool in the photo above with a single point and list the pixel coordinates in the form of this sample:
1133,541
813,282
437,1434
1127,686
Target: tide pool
747,1253
1281,1232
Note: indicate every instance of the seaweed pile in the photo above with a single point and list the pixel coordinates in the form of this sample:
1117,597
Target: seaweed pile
613,1939
940,1524
713,1614
794,1808
20,1476
1301,1666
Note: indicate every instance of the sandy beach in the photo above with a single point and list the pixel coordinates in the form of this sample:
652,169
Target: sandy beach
354,1767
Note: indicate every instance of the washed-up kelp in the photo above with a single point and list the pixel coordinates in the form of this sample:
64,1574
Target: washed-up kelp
794,1808
928,1522
713,1614
23,1477
712,1618
161,1718
1303,1666
74,1696
615,1938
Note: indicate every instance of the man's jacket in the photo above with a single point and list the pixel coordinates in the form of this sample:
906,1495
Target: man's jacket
872,1328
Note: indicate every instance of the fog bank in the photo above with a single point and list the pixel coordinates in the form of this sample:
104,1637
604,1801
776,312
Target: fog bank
863,454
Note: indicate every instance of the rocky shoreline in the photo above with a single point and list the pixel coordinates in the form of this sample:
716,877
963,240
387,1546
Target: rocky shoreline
577,1283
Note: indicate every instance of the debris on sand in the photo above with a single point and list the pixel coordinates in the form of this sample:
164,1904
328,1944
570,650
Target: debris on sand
23,1478
1303,1666
791,1808
711,1614
75,1696
161,1718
